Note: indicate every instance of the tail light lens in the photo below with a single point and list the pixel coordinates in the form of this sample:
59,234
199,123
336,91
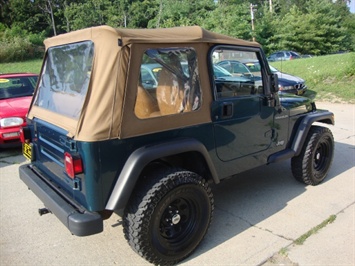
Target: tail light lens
25,134
73,165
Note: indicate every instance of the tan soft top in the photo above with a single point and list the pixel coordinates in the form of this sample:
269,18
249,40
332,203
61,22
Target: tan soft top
190,34
103,116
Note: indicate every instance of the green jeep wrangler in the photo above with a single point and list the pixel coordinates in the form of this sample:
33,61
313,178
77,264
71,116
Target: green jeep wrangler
140,122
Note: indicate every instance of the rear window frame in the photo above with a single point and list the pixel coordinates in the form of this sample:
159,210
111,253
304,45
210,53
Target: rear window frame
45,96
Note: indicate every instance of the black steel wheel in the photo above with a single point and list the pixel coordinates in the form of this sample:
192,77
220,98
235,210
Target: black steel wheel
313,163
168,216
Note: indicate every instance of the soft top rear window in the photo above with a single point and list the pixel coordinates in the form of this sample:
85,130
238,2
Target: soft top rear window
65,78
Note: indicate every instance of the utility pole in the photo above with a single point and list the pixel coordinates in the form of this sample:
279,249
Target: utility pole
252,18
159,14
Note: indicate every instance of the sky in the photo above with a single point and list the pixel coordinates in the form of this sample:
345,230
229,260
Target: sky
352,6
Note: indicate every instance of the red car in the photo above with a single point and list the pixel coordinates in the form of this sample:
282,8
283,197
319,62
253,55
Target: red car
16,92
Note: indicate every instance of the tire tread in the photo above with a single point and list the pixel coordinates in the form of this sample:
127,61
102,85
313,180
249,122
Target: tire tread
301,165
141,206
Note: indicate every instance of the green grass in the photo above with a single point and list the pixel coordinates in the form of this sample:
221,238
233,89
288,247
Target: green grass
314,230
331,77
33,66
282,257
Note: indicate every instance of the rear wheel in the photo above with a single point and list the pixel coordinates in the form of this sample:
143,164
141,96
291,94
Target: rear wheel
168,216
313,163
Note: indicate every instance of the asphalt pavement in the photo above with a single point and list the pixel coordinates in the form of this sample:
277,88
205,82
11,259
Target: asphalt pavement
258,217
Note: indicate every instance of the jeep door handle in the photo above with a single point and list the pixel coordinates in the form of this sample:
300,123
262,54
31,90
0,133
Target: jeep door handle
227,110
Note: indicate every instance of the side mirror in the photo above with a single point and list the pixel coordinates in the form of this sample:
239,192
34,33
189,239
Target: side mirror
274,83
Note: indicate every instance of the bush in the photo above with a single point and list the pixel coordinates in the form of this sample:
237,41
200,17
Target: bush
18,45
19,49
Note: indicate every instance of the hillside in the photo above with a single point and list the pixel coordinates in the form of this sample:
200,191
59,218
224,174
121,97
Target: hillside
332,77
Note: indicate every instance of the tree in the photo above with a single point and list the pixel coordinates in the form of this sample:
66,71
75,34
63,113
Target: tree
172,13
233,20
140,13
318,31
308,26
25,15
47,6
5,12
87,13
266,28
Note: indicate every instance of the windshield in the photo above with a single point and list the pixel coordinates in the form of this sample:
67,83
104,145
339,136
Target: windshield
255,66
220,72
13,87
273,70
65,78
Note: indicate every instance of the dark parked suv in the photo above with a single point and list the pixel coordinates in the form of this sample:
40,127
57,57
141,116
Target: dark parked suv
287,83
100,143
283,55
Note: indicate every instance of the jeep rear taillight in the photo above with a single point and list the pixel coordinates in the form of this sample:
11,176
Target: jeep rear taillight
73,165
25,135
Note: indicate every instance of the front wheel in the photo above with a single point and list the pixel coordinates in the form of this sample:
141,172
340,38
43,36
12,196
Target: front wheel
168,216
313,163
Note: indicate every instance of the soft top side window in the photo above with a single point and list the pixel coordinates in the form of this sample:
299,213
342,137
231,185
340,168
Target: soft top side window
168,82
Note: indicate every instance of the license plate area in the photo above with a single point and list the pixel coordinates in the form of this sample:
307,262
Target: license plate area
27,150
11,135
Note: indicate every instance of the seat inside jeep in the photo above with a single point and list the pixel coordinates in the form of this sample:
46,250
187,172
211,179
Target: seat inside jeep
146,105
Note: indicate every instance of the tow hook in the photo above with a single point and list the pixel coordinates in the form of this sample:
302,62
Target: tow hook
43,211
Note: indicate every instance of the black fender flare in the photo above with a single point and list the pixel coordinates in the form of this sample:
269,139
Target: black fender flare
301,134
306,123
141,157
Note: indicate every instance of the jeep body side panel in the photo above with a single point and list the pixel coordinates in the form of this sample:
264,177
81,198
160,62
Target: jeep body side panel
50,143
299,133
248,129
103,161
242,113
142,156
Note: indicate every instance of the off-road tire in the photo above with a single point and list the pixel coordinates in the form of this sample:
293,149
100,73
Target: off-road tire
168,215
312,165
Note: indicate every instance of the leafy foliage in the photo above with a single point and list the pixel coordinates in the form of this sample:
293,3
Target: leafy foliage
315,29
17,44
307,26
230,19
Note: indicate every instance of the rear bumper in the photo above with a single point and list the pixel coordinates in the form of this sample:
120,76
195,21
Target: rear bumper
10,137
80,223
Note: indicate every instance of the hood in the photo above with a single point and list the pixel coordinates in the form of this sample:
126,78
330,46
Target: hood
291,101
288,79
233,79
15,106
